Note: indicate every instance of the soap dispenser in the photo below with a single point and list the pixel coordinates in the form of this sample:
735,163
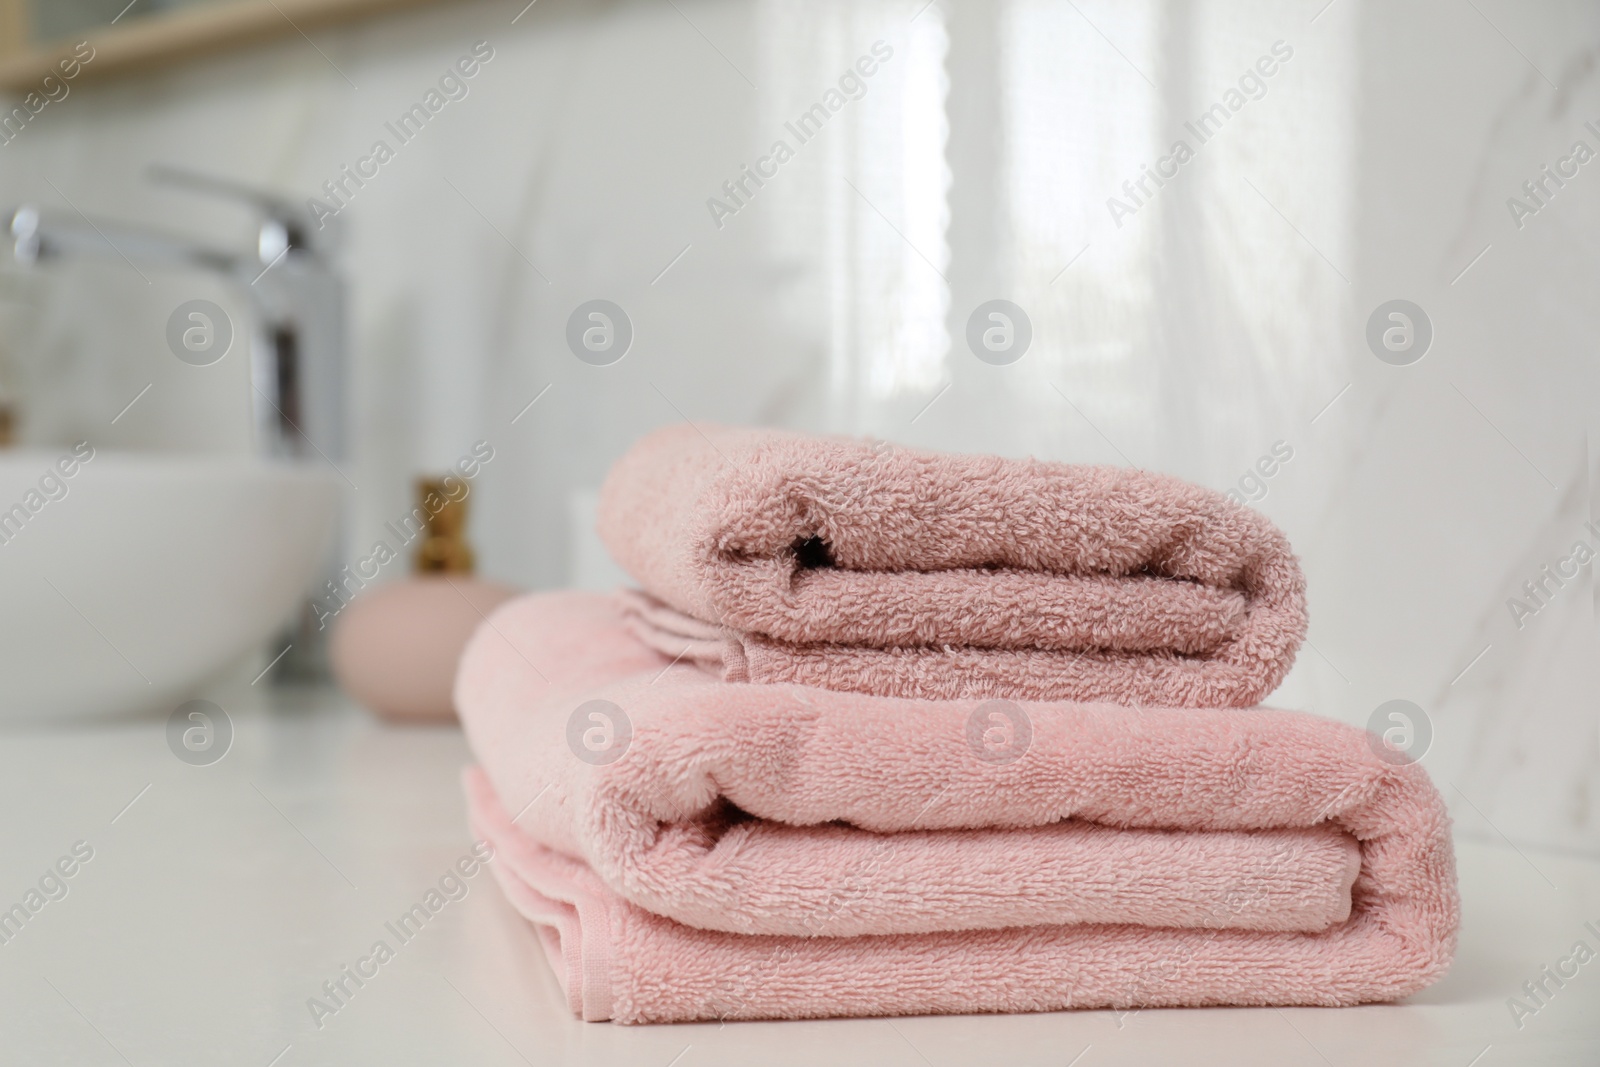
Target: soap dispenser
395,648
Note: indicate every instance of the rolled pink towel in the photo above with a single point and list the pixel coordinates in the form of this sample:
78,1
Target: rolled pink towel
848,564
693,849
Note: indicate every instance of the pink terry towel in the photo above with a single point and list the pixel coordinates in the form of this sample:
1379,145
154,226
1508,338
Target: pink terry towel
849,564
694,849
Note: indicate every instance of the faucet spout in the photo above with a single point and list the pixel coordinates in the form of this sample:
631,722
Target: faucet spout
295,296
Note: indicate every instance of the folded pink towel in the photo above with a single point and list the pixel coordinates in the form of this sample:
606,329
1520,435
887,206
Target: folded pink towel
845,564
695,849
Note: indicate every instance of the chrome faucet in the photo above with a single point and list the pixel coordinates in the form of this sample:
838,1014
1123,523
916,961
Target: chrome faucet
296,334
296,299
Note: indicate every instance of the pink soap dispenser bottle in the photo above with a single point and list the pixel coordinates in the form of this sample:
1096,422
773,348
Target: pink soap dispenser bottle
395,648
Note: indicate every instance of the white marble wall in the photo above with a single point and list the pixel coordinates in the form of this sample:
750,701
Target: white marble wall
1223,316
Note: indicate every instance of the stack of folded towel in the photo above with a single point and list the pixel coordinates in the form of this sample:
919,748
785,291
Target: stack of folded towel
894,732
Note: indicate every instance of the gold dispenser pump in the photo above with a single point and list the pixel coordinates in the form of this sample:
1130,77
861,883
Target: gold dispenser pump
444,548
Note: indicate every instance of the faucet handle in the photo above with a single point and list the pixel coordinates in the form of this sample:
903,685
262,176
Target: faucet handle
285,226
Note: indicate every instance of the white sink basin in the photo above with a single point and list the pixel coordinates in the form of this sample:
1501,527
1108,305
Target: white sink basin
149,576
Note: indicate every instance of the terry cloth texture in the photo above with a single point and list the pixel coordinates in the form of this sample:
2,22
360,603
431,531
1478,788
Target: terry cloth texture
845,564
695,849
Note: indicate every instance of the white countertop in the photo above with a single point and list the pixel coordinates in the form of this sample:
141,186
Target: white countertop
219,900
